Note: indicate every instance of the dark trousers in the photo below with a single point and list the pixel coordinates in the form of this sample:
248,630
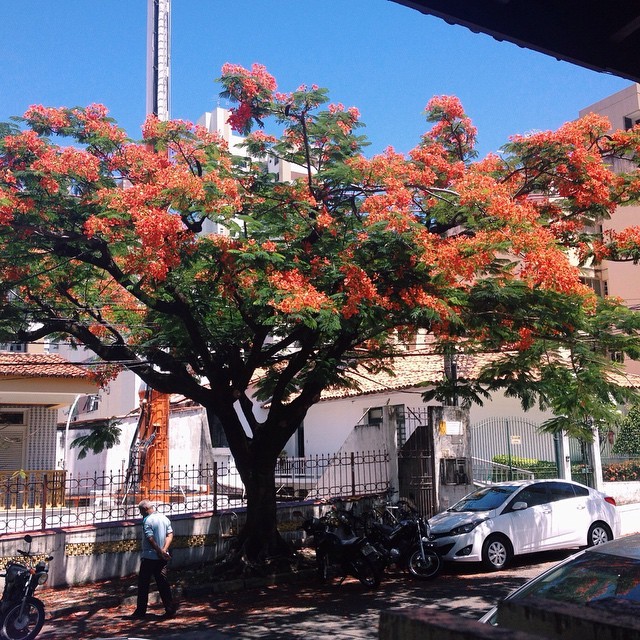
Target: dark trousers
157,569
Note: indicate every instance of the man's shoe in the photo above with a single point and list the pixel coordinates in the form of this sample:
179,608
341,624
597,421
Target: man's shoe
170,613
136,615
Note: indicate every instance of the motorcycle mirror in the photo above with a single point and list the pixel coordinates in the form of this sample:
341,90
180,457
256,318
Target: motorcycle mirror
28,538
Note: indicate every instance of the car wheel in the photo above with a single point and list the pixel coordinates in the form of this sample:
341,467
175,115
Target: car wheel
496,552
599,533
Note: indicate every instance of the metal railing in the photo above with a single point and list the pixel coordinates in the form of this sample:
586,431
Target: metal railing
487,472
49,499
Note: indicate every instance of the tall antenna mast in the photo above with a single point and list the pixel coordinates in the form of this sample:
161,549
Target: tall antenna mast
158,57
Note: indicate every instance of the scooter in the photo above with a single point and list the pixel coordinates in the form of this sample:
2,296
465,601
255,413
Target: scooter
22,615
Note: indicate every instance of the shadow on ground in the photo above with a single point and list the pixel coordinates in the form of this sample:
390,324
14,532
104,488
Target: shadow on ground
298,610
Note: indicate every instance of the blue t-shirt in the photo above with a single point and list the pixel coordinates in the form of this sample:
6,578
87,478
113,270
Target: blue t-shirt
158,526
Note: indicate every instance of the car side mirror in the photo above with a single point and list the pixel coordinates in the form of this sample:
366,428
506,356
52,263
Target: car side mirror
519,506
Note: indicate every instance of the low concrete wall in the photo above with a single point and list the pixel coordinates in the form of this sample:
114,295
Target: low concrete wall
629,518
623,492
91,553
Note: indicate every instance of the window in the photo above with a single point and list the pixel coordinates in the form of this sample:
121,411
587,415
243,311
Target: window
534,495
630,122
374,416
561,491
581,492
12,418
12,432
14,347
599,286
91,403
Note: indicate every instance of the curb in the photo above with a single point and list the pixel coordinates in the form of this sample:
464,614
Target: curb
249,583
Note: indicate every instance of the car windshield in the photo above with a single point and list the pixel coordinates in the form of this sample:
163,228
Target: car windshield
485,499
593,580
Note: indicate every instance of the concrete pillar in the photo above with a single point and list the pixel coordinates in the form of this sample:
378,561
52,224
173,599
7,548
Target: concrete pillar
564,457
596,460
452,454
390,436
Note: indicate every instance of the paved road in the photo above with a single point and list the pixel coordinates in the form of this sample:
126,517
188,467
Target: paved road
297,611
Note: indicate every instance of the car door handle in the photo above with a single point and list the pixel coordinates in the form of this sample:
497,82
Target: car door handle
580,507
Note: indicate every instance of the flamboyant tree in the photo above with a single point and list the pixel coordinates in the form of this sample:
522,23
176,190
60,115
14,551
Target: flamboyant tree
101,242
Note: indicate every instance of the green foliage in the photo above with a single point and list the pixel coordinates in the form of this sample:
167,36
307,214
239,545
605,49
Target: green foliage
103,436
319,268
540,468
628,438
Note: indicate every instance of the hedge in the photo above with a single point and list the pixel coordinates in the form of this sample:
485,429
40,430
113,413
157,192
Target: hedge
621,471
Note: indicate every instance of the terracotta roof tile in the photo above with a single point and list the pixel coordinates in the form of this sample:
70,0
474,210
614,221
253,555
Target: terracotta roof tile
409,371
413,369
38,365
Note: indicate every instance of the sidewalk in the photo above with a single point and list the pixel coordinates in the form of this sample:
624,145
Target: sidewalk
256,610
305,610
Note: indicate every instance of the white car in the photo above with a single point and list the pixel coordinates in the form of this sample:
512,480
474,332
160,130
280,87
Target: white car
501,520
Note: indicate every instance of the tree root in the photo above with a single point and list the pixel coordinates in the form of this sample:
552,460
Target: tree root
236,563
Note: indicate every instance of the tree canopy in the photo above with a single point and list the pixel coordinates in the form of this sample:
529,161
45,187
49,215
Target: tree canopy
102,243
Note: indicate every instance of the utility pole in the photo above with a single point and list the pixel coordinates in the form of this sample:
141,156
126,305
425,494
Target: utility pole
158,57
148,469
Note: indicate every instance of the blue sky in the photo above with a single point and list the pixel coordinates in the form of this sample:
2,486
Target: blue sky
386,59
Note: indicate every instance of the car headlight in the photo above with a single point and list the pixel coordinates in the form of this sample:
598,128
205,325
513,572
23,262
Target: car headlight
465,528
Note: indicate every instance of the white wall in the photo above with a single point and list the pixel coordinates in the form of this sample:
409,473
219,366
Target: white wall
189,444
330,422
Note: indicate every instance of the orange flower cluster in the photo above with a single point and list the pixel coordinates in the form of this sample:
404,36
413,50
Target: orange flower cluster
358,289
51,117
248,87
68,161
550,269
418,297
296,294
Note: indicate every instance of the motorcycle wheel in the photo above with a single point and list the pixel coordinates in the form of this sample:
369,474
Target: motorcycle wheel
367,572
426,568
26,626
328,571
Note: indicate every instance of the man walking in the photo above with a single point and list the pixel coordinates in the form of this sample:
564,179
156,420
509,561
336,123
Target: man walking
157,535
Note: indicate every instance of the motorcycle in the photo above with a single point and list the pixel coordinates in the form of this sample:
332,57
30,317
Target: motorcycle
406,544
22,615
339,555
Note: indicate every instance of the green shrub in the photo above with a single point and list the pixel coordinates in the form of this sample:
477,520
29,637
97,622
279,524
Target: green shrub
540,468
628,439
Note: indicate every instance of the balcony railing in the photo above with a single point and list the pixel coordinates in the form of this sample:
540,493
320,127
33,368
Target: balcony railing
32,489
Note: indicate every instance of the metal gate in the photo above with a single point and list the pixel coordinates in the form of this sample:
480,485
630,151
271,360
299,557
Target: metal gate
512,448
416,468
581,453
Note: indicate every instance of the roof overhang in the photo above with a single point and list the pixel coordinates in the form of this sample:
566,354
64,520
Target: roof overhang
600,36
50,392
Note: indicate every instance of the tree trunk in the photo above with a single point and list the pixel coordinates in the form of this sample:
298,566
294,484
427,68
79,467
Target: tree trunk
256,460
260,534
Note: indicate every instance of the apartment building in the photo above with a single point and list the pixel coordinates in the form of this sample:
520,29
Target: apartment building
620,279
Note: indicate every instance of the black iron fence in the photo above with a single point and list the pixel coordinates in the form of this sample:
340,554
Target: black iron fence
40,500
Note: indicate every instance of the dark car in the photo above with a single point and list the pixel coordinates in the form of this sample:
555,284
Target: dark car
605,577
